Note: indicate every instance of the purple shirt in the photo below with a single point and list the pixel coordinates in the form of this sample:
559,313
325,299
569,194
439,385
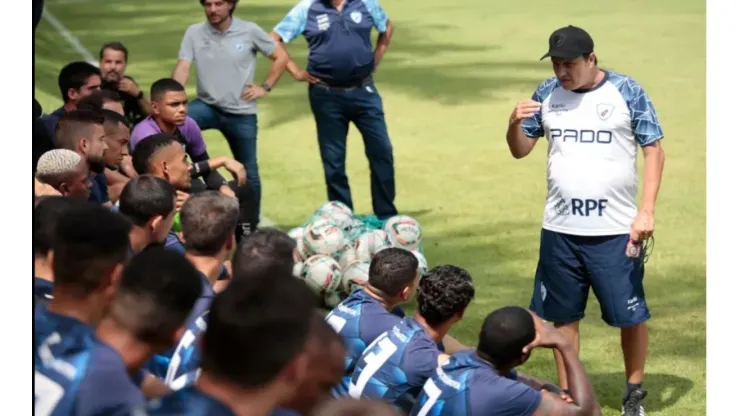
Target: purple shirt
188,133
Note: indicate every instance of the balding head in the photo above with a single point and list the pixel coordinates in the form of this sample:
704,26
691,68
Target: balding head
66,171
325,349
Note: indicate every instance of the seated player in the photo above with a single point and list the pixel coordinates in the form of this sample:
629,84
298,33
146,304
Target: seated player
352,407
364,315
398,363
66,171
103,99
325,350
253,352
169,115
88,255
162,156
46,215
149,203
264,248
82,131
118,169
208,220
154,296
482,381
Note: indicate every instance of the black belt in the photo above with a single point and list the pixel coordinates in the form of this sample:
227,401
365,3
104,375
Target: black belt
345,86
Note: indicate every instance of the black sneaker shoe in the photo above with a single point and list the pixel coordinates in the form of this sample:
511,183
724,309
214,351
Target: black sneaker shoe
632,404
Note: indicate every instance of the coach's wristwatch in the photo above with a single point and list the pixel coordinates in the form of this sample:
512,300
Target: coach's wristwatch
266,86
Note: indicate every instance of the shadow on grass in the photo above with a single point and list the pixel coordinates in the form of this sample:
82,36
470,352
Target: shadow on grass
153,32
665,390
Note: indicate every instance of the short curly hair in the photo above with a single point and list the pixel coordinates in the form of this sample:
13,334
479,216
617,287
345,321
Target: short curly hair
443,292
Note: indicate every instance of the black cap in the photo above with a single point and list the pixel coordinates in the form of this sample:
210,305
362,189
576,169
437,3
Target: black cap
569,43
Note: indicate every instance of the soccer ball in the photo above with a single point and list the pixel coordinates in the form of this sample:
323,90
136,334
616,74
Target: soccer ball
347,256
332,299
299,254
323,236
334,207
298,269
370,243
355,276
403,231
423,265
322,274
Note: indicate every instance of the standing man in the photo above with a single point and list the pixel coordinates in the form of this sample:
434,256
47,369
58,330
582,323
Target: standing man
224,50
113,61
341,62
76,81
593,234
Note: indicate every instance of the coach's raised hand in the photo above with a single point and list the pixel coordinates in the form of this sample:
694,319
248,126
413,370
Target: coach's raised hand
523,110
520,144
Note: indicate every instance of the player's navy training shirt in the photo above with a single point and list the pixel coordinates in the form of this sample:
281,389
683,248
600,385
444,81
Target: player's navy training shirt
42,289
99,190
340,48
396,365
178,367
468,386
106,387
60,346
186,402
359,320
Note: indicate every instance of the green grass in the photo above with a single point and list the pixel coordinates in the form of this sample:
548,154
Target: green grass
449,82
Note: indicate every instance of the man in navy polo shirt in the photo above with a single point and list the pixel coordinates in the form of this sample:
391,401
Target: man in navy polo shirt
341,62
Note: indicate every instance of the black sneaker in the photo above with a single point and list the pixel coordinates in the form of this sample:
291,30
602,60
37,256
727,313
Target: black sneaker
632,404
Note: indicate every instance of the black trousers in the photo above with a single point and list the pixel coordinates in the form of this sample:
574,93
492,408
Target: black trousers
248,206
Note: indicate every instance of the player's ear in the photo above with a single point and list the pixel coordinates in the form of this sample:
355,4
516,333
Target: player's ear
591,60
154,222
230,244
460,315
64,189
297,368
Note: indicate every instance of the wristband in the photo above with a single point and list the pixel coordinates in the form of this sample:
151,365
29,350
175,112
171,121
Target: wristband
200,168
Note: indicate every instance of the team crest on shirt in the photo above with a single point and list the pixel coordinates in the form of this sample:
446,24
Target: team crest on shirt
604,111
356,16
239,47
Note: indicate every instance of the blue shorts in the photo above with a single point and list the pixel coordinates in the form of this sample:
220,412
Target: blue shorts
569,265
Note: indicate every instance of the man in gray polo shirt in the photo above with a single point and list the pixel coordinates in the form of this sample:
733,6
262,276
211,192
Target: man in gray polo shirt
224,49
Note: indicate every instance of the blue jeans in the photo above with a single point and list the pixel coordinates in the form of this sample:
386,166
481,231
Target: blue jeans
240,131
333,110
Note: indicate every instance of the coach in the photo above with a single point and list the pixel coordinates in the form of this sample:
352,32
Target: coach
341,62
593,235
224,50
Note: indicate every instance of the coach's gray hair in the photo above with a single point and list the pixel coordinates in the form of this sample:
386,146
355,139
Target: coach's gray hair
208,221
56,163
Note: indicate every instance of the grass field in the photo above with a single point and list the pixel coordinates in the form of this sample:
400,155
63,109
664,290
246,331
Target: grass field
449,82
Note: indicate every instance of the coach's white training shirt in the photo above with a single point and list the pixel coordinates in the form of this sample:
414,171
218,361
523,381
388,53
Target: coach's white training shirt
593,137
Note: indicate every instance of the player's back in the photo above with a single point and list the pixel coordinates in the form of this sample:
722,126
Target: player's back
396,365
468,386
188,401
359,320
56,335
178,367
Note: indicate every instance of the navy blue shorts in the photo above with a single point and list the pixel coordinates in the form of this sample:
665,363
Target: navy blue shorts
569,265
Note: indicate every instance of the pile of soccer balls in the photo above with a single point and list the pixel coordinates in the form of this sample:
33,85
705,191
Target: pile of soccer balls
334,249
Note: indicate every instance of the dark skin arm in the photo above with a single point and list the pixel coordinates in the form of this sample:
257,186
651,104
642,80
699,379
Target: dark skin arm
584,399
384,41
